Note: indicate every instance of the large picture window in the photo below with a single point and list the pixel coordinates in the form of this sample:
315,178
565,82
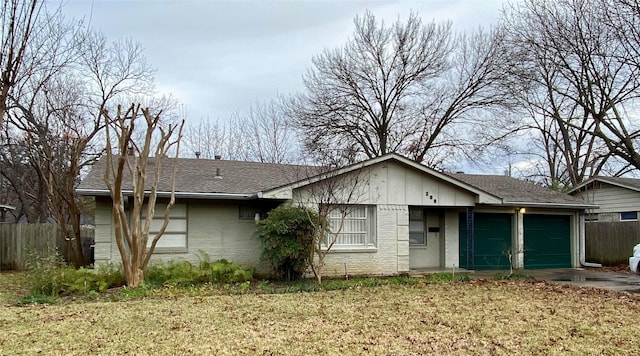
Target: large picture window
354,225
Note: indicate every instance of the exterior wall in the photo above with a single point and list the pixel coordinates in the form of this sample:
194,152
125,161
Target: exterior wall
391,255
393,183
611,199
212,227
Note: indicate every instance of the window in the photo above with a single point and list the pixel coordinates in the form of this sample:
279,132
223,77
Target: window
356,225
174,238
416,227
247,212
629,216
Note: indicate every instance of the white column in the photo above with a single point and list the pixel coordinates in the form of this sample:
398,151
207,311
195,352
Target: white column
518,246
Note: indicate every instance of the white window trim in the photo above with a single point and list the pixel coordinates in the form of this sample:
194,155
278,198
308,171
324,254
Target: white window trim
370,244
624,212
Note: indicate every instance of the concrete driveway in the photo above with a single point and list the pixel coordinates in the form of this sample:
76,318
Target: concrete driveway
618,281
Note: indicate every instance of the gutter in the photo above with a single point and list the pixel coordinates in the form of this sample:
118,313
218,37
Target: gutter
552,205
222,196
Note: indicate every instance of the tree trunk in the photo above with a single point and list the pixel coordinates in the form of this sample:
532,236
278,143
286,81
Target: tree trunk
134,276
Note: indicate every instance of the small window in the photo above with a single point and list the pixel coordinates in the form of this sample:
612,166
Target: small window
629,216
417,237
247,212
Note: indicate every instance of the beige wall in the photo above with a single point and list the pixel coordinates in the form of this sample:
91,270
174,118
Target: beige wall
611,199
213,227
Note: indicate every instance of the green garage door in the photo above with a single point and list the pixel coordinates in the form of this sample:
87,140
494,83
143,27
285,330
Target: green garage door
547,241
492,240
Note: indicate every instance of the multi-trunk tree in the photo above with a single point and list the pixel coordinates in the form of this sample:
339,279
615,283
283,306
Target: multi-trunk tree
579,81
134,168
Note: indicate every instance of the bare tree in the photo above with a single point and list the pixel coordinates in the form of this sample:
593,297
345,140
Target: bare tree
260,134
580,60
399,88
207,139
266,134
128,162
19,21
334,193
58,112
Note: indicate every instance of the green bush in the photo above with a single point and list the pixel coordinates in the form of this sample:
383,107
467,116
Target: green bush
62,279
287,237
183,273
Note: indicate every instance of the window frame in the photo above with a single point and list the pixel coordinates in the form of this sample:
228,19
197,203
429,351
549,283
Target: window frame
422,224
370,238
159,216
635,218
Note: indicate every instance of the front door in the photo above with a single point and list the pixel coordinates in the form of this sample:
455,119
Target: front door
424,238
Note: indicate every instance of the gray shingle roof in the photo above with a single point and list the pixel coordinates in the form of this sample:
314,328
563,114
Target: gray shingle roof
516,190
630,183
199,176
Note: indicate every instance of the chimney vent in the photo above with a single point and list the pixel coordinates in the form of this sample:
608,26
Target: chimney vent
218,176
197,154
218,157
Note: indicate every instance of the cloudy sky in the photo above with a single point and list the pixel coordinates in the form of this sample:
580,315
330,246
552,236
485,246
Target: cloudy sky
218,57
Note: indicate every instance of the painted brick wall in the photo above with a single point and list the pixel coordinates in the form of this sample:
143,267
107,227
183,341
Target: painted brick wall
392,253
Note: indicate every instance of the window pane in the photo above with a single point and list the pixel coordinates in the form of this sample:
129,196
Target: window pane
416,226
169,240
416,238
629,215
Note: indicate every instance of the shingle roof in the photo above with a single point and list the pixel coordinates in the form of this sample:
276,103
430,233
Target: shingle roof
199,176
516,190
629,183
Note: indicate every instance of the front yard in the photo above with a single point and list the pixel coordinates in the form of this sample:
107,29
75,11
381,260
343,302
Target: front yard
478,317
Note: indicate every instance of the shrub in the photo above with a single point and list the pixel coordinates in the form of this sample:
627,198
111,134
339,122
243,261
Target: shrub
287,236
63,279
183,273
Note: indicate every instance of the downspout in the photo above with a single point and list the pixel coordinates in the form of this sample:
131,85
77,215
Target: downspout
581,243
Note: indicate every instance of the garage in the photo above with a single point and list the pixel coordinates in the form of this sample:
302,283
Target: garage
547,241
492,241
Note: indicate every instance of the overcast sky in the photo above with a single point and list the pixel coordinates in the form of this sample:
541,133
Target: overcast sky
218,57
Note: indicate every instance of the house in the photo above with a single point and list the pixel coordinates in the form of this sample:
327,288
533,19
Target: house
406,216
618,199
4,208
612,228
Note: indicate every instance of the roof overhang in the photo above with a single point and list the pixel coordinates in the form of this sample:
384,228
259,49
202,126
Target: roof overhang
178,195
601,180
576,206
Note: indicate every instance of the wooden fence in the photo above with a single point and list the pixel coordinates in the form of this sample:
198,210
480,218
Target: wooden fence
611,243
19,242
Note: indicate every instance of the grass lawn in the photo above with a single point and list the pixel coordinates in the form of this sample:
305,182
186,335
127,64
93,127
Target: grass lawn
479,317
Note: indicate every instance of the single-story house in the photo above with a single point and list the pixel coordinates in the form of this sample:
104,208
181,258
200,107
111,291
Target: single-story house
406,216
618,199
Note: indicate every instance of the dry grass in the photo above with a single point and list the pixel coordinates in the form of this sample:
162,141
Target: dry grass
469,318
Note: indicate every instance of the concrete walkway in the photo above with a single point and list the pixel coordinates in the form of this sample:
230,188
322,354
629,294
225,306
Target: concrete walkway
618,281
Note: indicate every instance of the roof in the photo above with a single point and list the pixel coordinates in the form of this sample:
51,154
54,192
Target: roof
207,178
628,183
520,192
226,179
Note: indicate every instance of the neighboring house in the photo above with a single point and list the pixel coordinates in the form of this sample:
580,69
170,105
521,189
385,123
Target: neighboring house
618,199
4,208
407,216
